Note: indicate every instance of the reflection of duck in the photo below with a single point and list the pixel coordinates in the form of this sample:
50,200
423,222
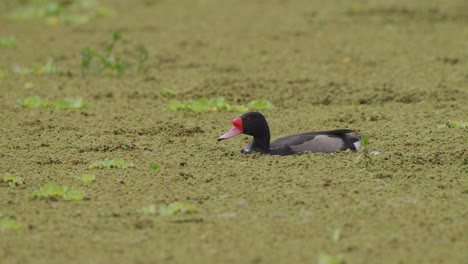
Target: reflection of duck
255,124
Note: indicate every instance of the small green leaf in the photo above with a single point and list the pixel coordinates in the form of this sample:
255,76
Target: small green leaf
117,163
11,180
9,224
327,259
364,140
8,42
87,178
336,235
104,12
154,166
116,36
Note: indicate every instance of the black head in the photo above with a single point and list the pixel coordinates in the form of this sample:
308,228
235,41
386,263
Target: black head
254,124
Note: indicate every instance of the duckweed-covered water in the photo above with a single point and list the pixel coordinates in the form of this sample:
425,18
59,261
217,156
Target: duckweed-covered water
395,70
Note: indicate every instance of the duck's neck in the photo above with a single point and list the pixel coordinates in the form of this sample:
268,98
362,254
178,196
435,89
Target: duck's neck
261,143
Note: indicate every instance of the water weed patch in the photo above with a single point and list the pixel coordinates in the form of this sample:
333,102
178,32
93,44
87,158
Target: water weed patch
117,163
175,208
9,224
65,103
87,178
11,180
9,42
108,62
54,12
219,104
54,192
454,125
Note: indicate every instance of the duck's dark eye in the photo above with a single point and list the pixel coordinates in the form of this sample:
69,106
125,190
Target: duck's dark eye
248,118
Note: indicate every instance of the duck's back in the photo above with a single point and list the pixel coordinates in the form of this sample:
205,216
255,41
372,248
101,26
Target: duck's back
320,141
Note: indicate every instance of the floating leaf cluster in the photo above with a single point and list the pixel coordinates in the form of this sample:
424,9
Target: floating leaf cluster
53,191
11,180
454,125
54,12
218,104
117,163
9,224
172,209
66,103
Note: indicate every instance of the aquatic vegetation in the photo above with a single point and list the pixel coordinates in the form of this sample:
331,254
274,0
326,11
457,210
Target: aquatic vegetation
169,92
86,178
454,125
9,42
9,224
54,12
218,104
108,62
52,191
117,163
3,74
328,259
66,103
11,180
336,235
70,103
175,208
51,67
142,56
87,55
366,155
35,102
154,166
260,104
149,210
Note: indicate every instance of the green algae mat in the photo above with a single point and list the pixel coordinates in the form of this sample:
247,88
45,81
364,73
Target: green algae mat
110,112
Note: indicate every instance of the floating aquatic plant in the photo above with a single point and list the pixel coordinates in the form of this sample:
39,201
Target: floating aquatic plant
53,191
117,163
154,166
172,209
51,67
218,104
9,224
366,155
35,102
11,180
9,42
454,125
328,259
107,62
66,103
3,74
169,92
70,103
87,178
61,12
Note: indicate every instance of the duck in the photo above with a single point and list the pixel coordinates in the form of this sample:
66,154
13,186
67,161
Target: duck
254,124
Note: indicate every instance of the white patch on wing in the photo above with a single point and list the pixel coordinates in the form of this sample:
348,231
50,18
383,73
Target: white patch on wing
320,143
357,144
